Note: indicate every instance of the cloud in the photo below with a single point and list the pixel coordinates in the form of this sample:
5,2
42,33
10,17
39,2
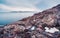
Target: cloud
25,3
12,8
36,5
46,4
19,5
51,3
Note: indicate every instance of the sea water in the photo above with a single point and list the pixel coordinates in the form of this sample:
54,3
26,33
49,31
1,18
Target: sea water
6,18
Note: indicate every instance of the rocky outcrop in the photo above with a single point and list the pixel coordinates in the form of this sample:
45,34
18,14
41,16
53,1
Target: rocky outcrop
34,26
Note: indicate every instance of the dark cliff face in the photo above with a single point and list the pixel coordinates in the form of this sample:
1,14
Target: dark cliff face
34,26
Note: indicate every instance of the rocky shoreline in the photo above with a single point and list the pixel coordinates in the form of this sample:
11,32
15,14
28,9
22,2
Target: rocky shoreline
34,26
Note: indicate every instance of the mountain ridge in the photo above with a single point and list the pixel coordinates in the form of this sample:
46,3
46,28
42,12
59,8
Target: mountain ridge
34,26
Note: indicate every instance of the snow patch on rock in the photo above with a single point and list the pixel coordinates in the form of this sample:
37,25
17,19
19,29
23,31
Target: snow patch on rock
51,30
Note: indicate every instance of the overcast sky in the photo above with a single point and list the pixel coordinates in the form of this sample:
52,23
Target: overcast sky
27,5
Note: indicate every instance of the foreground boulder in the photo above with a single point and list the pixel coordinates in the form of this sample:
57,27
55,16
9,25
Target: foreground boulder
35,26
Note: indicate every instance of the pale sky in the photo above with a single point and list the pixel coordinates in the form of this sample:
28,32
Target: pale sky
27,5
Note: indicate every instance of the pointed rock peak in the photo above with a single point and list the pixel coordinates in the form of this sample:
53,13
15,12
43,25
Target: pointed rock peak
57,7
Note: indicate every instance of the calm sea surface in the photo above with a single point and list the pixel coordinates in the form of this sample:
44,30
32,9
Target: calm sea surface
6,18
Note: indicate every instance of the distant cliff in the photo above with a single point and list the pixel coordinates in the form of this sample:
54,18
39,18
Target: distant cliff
34,26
